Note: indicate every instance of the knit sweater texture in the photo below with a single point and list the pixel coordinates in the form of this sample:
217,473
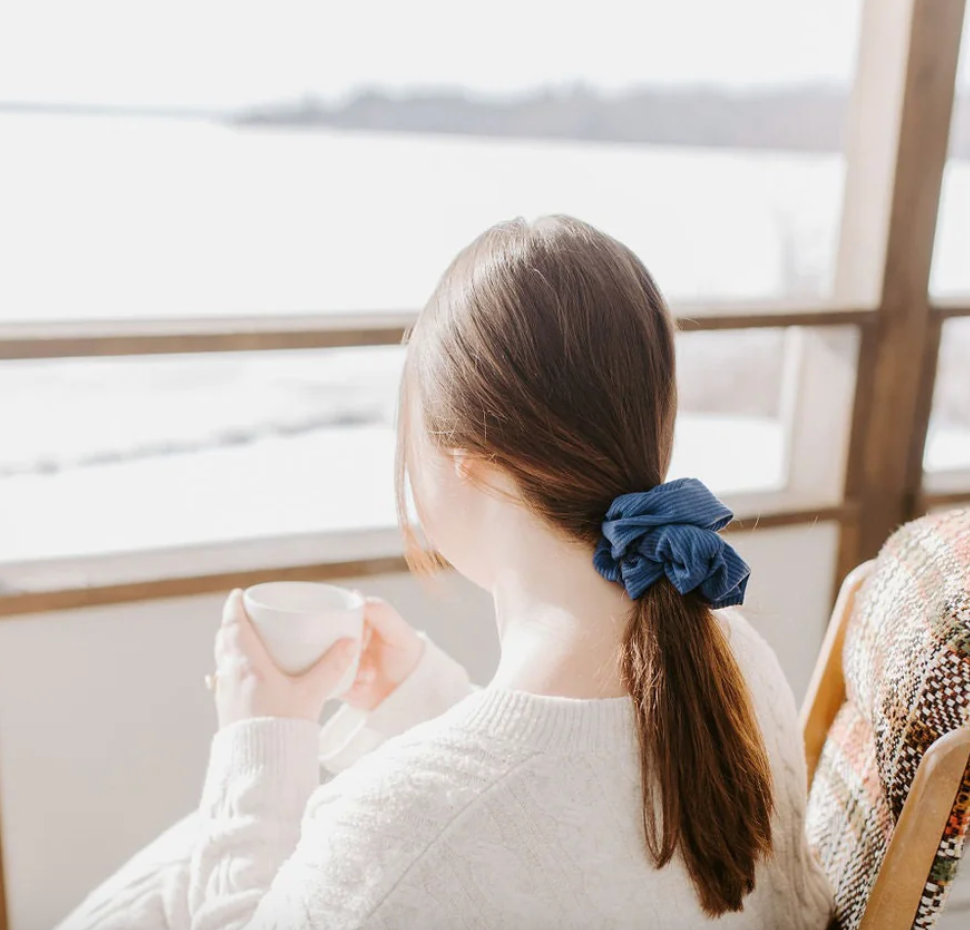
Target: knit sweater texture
453,807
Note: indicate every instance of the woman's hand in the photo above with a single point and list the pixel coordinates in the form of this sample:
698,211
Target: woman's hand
249,684
390,651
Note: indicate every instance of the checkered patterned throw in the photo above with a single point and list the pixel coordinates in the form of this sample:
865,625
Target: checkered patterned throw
907,675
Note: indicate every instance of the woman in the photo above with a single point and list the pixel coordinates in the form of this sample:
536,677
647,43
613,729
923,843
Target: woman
634,762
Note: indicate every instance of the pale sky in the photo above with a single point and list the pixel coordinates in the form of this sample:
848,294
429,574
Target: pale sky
225,53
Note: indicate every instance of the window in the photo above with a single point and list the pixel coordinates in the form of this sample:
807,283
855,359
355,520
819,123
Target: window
766,410
125,454
948,439
311,177
946,455
122,454
300,177
731,429
951,270
304,169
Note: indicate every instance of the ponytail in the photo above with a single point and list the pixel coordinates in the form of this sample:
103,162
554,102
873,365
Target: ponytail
706,776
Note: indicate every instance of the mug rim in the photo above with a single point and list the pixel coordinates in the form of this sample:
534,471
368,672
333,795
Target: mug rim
351,600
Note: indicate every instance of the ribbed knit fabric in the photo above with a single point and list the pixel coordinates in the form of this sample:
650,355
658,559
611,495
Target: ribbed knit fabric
547,724
510,810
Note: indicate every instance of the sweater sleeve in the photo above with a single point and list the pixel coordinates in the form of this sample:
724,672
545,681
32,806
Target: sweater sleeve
261,774
437,683
150,892
260,850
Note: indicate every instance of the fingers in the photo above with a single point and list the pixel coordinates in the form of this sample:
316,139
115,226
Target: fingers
236,669
330,667
384,620
366,673
236,639
363,680
361,689
233,610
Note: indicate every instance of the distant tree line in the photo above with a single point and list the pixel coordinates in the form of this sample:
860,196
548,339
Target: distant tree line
809,119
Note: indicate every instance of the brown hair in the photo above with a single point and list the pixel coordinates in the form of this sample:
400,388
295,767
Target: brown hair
548,350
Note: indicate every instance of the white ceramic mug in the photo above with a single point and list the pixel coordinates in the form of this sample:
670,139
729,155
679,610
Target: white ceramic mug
298,621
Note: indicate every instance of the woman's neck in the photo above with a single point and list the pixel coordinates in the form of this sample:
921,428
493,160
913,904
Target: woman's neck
560,624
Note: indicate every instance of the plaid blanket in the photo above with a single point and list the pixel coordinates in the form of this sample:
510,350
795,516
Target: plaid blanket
907,676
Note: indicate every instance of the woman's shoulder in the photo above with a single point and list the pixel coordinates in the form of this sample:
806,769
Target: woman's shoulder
427,774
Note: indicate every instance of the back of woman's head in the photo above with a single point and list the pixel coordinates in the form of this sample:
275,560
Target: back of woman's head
548,351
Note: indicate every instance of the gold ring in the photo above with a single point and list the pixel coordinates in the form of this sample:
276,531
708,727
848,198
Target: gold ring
211,680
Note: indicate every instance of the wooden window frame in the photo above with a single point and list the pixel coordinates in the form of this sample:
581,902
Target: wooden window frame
900,119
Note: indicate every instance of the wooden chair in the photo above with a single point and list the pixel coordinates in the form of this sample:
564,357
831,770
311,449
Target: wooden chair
886,723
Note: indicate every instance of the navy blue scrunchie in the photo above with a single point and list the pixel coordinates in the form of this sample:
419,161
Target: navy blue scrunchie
672,530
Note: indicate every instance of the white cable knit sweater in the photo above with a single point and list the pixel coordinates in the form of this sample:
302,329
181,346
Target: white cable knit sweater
501,810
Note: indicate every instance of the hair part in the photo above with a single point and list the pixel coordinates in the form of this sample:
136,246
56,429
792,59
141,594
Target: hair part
548,350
